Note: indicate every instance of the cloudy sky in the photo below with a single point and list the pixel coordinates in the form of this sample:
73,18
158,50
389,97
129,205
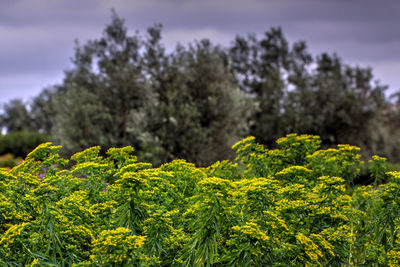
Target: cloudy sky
37,36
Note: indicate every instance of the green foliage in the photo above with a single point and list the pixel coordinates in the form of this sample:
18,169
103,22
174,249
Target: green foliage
295,92
8,161
194,101
284,207
126,90
200,112
377,169
21,143
16,117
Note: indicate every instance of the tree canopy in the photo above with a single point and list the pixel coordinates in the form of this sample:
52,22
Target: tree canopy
195,101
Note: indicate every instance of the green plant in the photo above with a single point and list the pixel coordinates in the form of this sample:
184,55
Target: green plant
291,206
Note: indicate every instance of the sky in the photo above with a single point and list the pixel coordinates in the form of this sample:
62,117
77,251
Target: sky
37,37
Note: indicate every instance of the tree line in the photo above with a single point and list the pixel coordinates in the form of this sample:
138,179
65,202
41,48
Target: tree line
197,100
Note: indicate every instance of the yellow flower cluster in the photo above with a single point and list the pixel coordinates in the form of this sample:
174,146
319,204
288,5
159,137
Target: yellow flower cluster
252,230
116,247
291,206
311,249
11,234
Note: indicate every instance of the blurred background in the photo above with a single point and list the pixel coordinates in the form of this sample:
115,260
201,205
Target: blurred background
188,79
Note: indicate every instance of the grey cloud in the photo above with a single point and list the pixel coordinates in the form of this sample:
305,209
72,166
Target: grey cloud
37,37
47,12
26,85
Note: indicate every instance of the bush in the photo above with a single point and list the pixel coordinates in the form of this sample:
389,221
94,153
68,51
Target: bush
284,207
8,161
21,143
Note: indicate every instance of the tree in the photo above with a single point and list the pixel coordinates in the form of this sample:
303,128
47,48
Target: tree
16,117
200,110
197,100
102,99
340,103
266,69
42,111
126,90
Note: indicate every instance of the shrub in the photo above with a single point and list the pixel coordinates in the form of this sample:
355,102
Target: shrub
284,207
8,161
21,143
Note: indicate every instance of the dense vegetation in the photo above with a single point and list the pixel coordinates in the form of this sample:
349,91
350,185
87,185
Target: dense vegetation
193,102
292,206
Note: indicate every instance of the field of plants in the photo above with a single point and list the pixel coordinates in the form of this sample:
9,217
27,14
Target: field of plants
292,206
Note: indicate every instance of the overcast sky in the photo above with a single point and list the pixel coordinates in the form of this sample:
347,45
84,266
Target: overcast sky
37,36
